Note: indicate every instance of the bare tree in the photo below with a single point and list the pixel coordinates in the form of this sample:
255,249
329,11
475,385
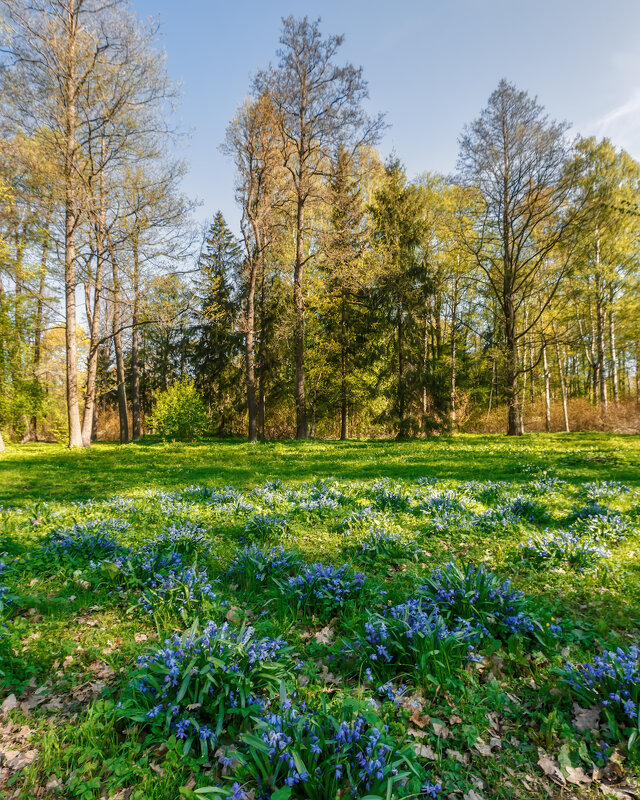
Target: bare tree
317,106
516,158
251,141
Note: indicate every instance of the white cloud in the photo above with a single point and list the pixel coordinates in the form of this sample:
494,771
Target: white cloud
622,125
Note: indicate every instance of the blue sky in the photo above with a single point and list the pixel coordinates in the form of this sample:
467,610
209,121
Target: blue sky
431,65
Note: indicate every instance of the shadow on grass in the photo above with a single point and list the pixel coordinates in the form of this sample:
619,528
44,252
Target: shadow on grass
37,472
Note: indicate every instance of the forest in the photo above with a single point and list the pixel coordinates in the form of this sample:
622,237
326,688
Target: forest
334,495
354,300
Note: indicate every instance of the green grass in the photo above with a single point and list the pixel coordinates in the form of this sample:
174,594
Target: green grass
36,472
74,630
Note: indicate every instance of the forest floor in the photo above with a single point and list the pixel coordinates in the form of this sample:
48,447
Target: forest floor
448,618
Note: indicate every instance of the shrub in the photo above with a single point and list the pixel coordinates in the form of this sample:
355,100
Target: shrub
192,685
180,412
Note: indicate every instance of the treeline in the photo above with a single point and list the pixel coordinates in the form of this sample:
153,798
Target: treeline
353,301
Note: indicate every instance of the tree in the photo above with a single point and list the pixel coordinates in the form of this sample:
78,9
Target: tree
216,345
397,215
86,78
317,106
251,142
515,157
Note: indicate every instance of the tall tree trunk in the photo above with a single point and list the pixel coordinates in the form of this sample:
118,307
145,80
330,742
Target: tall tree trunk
563,383
547,382
401,394
117,346
511,370
344,416
425,364
454,337
93,316
262,369
637,379
302,430
600,324
70,223
612,349
250,355
136,426
32,433
491,388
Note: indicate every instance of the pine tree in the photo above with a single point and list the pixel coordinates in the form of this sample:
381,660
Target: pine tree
218,346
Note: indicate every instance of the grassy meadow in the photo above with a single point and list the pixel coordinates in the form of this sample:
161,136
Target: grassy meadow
448,618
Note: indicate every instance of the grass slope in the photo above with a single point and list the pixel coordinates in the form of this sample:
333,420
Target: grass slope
104,554
36,472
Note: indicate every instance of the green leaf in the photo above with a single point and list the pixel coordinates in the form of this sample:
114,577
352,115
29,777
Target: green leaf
282,794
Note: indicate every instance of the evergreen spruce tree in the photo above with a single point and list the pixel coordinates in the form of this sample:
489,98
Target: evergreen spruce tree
217,348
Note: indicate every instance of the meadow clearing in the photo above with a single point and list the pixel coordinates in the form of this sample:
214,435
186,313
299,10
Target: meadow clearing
449,618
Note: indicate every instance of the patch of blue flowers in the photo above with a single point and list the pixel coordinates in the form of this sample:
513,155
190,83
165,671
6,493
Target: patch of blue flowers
184,591
192,686
265,525
256,566
478,597
408,639
569,545
526,508
343,750
384,547
323,588
611,680
86,540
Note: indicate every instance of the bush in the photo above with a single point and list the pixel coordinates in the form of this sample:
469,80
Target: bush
180,412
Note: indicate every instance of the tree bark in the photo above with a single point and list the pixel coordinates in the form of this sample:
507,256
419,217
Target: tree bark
511,378
32,433
563,383
600,324
454,337
612,349
117,346
401,388
344,416
302,430
136,426
250,355
70,223
547,382
93,316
